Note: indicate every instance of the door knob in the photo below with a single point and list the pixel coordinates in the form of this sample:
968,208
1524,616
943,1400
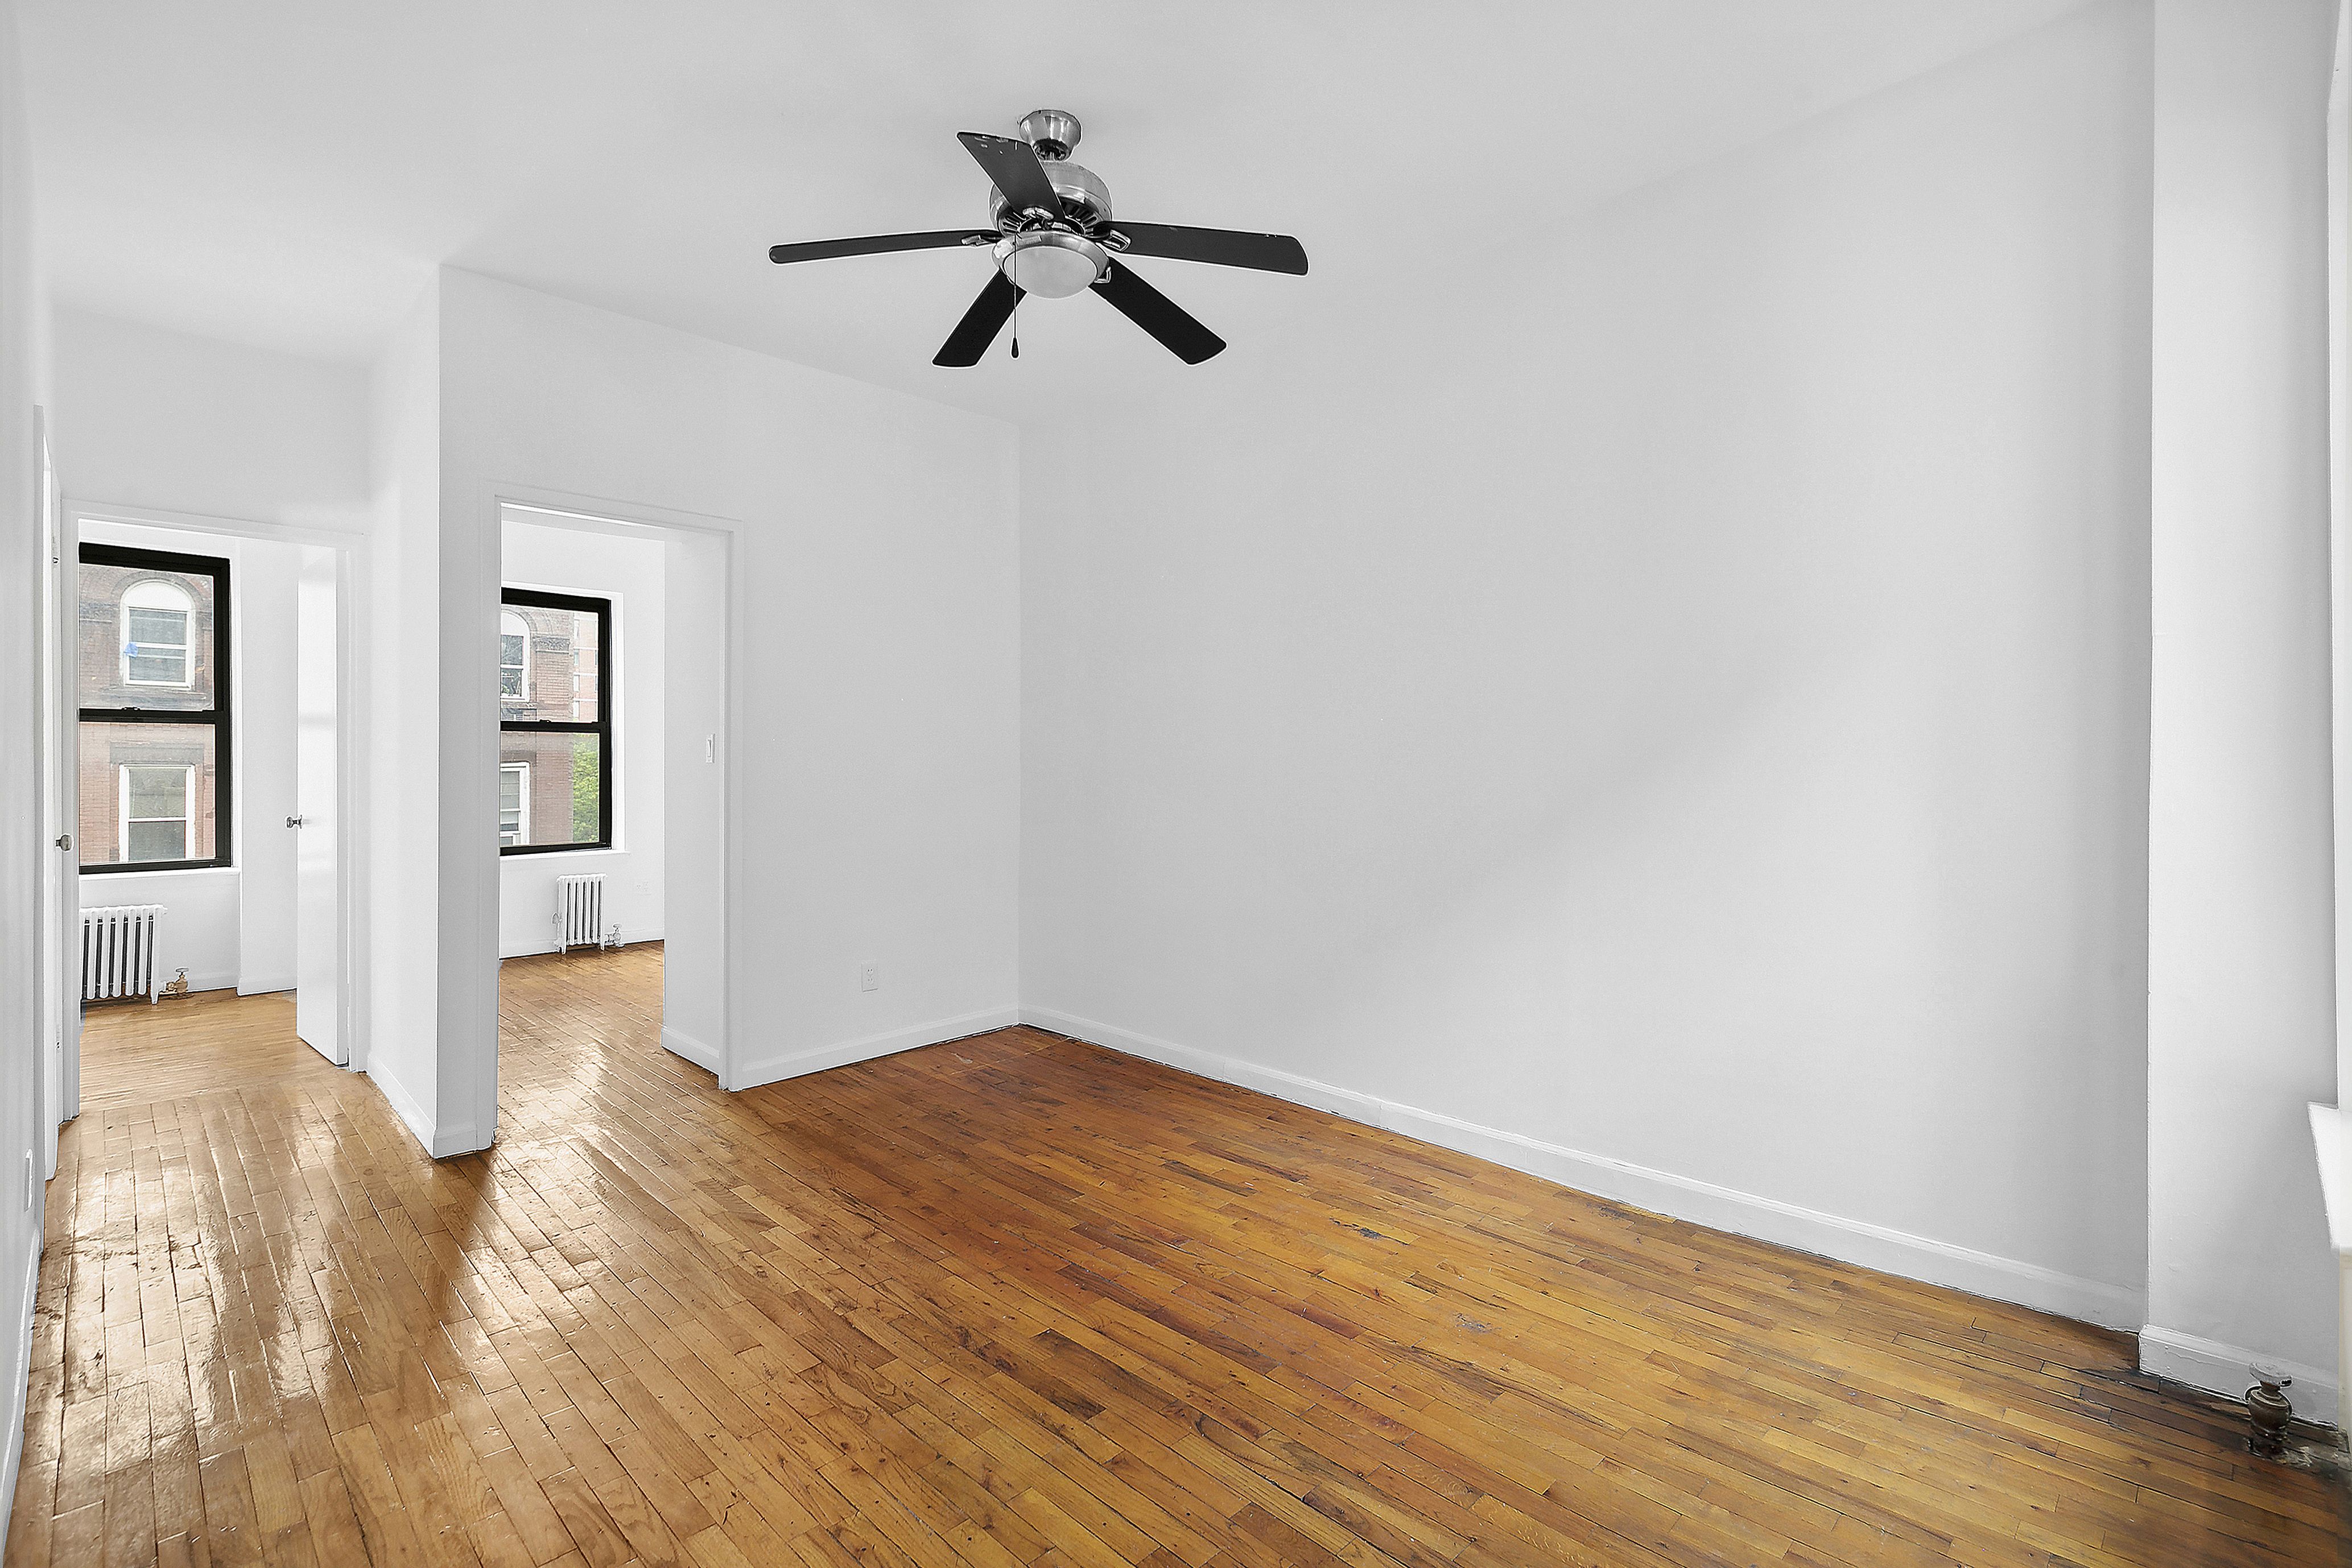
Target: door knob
65,841
296,821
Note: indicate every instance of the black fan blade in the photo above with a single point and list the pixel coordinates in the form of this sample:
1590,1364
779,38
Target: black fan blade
873,244
1158,314
1012,164
980,323
1223,247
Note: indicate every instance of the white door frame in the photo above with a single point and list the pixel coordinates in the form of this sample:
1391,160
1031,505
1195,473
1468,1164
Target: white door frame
351,601
60,1055
478,780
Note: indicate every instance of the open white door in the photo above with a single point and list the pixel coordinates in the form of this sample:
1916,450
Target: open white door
319,936
61,882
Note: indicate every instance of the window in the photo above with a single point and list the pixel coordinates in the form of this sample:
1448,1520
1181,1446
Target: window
555,708
151,667
514,804
155,634
159,803
514,641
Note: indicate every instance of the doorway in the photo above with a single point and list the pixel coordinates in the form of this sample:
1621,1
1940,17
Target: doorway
612,683
197,701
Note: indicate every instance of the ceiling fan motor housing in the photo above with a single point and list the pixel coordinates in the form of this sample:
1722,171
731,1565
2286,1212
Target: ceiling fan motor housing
1086,200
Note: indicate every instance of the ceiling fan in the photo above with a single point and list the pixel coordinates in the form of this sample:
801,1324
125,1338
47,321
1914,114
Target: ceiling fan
1052,236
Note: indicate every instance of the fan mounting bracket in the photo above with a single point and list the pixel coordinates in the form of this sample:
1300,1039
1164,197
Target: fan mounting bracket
1053,131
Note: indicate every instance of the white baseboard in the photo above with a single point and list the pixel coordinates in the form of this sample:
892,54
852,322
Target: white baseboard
265,986
217,980
679,1043
2227,1370
776,1069
459,1139
1679,1197
628,938
16,1455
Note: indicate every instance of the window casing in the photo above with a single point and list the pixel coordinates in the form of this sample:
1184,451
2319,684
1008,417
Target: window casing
556,769
152,674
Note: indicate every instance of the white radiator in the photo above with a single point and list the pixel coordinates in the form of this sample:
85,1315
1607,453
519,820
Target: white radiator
580,913
118,951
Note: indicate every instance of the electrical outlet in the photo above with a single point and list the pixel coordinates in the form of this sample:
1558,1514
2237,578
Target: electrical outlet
869,977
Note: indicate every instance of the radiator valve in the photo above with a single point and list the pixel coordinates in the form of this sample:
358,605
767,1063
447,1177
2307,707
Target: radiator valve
178,987
2268,1410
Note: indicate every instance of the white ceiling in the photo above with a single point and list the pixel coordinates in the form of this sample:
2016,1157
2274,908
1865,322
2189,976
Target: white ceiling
286,173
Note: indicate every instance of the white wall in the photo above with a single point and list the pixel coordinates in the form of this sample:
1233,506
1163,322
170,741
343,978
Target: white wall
872,544
152,418
696,870
265,720
2241,985
1667,708
232,926
23,558
396,818
630,573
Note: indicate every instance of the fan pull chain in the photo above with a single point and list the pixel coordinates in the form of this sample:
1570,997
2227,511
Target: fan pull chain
1016,329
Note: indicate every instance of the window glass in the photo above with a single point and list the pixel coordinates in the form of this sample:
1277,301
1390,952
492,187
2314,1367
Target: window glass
147,793
144,638
514,644
560,666
558,785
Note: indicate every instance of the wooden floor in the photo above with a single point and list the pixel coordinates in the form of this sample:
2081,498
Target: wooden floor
1010,1300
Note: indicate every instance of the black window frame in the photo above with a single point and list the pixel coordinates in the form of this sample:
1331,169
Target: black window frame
218,715
603,726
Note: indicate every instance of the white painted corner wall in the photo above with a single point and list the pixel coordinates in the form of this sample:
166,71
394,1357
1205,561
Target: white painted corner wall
2241,1004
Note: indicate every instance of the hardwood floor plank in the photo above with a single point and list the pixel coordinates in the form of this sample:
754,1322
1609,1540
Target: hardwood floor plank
1015,1301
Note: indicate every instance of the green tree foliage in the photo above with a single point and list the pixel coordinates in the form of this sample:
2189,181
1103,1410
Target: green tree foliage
586,797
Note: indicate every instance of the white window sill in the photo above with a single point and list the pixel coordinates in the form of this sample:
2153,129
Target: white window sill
182,871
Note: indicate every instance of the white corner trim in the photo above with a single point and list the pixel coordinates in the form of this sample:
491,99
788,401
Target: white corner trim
459,1139
679,1043
2228,1369
776,1069
1679,1197
438,1141
404,1105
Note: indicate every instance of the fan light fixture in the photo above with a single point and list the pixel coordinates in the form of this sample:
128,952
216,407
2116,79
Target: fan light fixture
1051,264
